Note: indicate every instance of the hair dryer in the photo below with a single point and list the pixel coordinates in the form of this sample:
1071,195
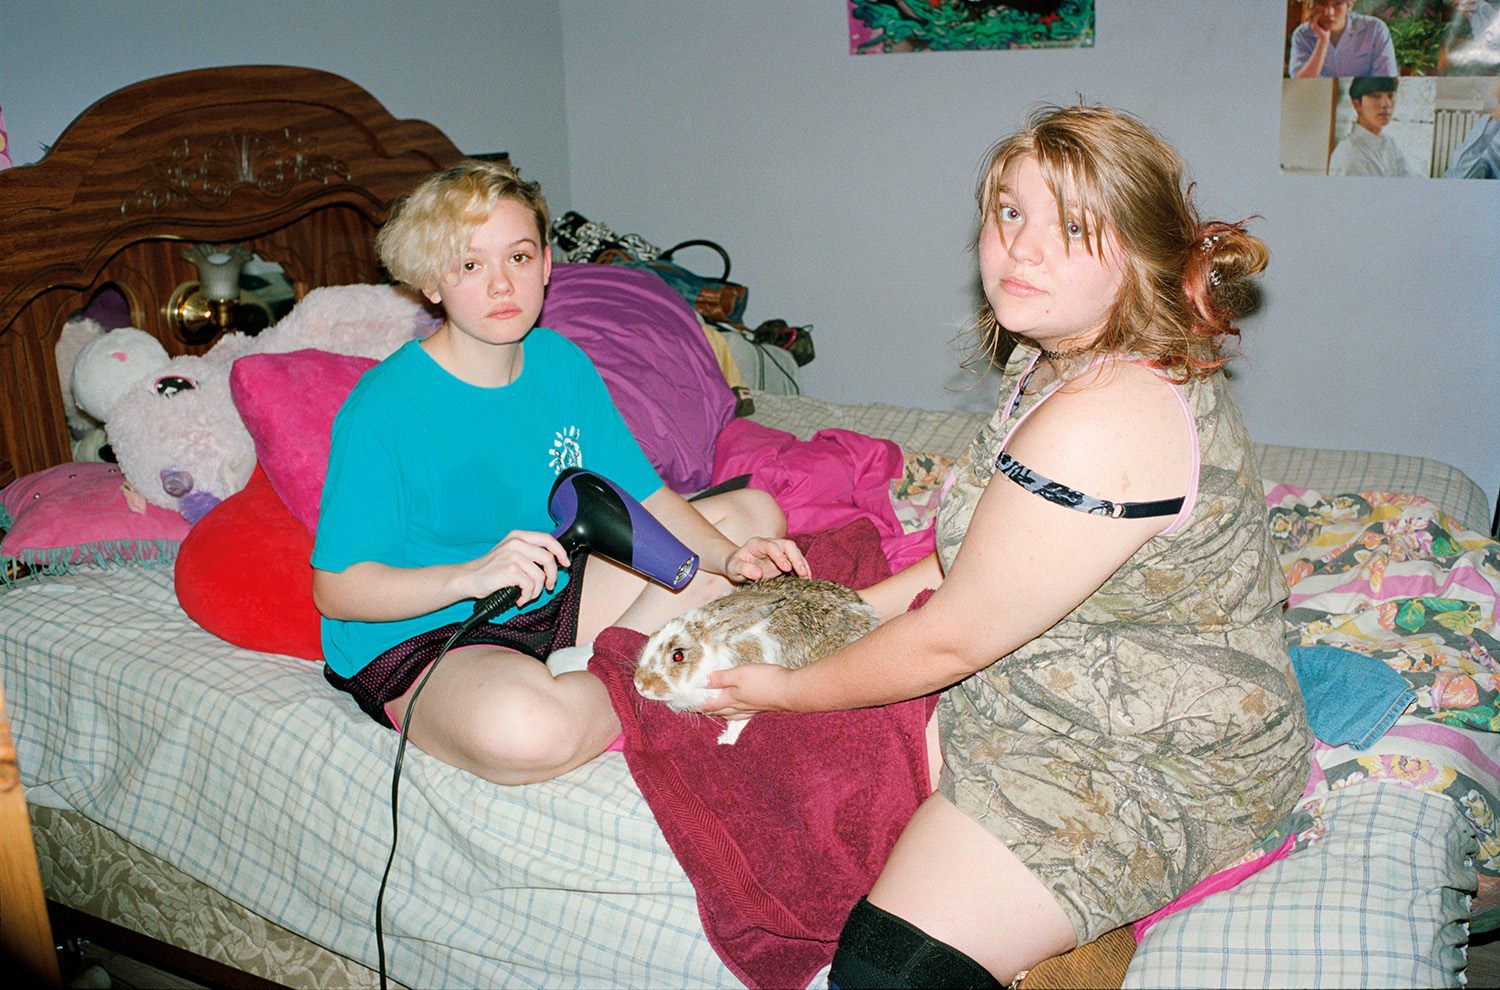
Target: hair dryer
594,514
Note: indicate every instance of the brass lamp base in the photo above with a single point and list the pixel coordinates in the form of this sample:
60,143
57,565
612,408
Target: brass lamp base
198,320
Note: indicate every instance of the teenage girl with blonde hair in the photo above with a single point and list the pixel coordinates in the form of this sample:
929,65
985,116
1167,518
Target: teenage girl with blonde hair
441,463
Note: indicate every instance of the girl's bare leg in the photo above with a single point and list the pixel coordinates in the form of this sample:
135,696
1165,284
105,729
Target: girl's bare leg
961,885
505,717
617,596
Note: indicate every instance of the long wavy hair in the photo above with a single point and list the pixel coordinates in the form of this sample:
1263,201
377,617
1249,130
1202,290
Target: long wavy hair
1185,280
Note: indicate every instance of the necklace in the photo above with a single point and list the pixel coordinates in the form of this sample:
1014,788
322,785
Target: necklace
1062,355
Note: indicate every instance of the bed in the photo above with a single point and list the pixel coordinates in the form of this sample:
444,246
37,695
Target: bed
222,799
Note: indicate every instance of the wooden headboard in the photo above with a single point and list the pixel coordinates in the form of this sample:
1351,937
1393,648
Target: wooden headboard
298,165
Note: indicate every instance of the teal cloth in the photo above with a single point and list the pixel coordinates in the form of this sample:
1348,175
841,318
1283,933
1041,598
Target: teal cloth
1351,698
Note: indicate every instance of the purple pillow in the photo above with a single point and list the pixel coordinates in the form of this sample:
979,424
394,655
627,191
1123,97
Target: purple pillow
650,349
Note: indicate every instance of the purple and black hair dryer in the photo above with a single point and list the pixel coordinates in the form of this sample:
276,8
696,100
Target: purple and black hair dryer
596,515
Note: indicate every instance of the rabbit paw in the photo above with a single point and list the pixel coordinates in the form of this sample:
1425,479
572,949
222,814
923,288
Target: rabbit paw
731,733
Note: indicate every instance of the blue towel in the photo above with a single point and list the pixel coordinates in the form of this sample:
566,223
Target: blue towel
1351,698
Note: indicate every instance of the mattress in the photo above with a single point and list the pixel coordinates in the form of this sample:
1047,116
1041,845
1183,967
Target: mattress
164,749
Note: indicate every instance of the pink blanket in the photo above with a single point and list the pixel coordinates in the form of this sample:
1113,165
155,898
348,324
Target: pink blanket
782,832
832,479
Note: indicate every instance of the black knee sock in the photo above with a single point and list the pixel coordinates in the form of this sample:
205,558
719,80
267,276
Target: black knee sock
879,950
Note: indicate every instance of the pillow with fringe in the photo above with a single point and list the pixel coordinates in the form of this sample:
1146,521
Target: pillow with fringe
79,514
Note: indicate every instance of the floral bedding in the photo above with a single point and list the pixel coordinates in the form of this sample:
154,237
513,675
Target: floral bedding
1394,578
1391,576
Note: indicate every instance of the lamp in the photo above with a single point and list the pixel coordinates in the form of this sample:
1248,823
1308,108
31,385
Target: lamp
200,311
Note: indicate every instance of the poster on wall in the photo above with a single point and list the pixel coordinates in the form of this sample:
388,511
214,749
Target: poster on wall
889,26
1391,88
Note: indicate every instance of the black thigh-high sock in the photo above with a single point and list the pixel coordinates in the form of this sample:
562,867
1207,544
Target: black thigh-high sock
879,950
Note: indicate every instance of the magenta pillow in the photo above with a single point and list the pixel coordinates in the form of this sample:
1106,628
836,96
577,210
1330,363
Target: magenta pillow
288,402
649,347
78,513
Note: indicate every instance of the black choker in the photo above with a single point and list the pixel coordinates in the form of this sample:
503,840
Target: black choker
1062,355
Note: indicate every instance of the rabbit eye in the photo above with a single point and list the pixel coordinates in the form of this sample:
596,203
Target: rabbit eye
677,656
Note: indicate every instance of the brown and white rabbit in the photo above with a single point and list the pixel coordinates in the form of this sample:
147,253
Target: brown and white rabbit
786,620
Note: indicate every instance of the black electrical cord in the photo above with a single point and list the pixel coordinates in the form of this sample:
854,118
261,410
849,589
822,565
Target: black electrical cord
484,609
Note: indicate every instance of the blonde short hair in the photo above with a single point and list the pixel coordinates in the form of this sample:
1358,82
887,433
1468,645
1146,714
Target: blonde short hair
429,230
1184,279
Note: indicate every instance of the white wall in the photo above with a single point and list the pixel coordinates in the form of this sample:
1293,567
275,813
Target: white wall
487,73
842,186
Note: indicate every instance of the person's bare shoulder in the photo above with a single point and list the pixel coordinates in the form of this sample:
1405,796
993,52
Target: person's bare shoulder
1119,432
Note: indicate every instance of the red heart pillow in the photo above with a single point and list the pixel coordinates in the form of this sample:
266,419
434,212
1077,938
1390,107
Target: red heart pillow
244,574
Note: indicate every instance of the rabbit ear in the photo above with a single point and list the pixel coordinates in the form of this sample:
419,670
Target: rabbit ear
691,634
741,612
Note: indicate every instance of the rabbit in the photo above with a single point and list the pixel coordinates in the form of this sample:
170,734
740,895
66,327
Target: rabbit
786,620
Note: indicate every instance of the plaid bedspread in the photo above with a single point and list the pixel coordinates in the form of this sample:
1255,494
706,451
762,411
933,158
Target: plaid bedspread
251,775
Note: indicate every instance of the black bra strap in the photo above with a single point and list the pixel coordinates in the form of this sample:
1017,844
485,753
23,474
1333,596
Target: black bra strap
1074,499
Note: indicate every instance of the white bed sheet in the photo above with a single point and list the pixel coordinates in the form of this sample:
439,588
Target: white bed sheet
183,744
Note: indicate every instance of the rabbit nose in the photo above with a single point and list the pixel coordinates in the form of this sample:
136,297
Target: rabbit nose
176,482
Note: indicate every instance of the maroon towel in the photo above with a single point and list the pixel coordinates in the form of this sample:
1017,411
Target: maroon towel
782,832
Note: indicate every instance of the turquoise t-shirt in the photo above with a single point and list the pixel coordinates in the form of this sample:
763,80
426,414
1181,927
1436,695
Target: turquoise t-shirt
426,469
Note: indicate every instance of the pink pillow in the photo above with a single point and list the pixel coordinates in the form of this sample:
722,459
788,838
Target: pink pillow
78,513
288,402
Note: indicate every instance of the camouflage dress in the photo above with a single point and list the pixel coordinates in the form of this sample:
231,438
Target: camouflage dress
1156,733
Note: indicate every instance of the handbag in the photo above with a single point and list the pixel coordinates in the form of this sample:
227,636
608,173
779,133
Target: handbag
796,341
714,298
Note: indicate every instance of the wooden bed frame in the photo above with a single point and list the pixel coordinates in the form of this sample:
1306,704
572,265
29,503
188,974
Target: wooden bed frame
300,166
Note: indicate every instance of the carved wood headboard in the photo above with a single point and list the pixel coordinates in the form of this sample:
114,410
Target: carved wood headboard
298,165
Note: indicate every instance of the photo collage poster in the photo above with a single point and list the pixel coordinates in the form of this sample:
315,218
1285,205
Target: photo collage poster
1391,88
880,27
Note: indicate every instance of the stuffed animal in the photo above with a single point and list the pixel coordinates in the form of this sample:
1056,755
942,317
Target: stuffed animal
179,440
175,432
107,365
96,366
75,334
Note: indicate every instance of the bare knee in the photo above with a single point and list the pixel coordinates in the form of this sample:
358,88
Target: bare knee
767,518
519,729
523,729
533,736
745,513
